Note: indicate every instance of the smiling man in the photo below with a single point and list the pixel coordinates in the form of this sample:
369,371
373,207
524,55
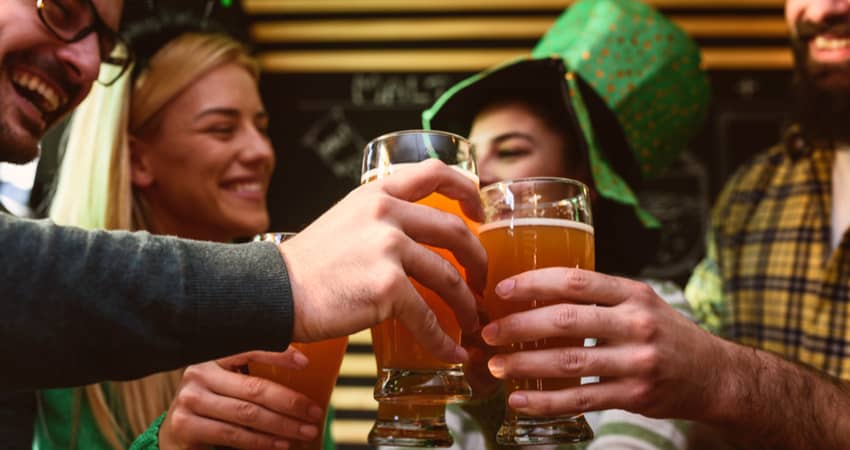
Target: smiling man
50,54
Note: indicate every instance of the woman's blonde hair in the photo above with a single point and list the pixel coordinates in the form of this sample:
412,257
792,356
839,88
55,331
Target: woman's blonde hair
94,190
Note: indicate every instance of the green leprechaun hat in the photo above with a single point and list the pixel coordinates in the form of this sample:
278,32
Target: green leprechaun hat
621,73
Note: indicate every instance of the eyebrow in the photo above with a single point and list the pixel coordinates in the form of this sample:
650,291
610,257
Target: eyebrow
229,112
513,135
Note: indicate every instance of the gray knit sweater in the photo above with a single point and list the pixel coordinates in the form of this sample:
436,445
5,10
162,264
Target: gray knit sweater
82,306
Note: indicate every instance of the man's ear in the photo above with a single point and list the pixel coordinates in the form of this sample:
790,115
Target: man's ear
141,172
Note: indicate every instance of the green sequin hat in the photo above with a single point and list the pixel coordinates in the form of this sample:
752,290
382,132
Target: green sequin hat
618,71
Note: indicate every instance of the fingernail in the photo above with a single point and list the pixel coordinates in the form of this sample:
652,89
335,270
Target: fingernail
300,360
504,288
281,444
308,431
518,401
496,366
461,355
490,333
315,413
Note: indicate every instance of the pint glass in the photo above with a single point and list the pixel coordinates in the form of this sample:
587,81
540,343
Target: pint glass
317,380
407,373
534,223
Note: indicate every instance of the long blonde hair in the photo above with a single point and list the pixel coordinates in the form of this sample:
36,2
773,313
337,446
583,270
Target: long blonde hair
94,190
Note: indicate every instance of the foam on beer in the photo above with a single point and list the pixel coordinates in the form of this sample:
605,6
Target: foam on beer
380,172
535,221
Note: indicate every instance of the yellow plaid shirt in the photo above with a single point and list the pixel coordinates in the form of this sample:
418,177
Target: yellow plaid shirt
770,279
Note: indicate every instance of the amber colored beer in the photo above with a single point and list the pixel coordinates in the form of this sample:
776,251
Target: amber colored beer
316,381
524,244
393,343
417,420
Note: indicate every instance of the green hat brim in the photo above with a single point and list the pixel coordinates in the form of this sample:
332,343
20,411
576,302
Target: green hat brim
547,80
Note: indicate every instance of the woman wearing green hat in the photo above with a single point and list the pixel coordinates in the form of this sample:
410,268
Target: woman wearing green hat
610,96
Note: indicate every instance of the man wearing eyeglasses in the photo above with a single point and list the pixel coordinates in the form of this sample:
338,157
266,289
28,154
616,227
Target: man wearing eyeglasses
80,306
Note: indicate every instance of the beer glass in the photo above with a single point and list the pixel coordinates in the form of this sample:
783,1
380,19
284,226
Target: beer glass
534,223
416,383
317,380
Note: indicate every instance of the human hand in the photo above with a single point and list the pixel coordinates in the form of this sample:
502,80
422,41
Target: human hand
218,406
651,359
475,370
349,269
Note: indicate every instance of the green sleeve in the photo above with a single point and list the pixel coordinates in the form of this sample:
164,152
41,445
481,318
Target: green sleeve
329,443
704,291
149,440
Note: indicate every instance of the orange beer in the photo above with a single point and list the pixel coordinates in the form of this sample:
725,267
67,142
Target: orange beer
413,386
522,244
316,381
398,348
415,420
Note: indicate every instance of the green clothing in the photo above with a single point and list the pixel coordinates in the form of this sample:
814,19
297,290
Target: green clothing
56,427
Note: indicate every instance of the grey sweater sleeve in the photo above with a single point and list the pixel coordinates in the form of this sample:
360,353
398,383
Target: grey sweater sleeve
79,306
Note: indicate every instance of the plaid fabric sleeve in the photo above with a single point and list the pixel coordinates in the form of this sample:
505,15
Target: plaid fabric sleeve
704,290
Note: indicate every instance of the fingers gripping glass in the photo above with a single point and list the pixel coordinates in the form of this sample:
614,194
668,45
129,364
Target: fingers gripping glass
413,387
530,224
72,20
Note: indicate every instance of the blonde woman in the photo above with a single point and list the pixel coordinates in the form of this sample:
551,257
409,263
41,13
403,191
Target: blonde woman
189,157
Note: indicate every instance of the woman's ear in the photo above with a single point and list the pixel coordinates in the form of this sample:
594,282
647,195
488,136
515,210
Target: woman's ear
141,171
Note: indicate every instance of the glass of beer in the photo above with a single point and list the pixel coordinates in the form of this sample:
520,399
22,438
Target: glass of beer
412,384
533,223
317,380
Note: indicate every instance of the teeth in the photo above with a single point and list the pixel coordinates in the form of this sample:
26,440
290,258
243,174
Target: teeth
52,99
248,187
825,43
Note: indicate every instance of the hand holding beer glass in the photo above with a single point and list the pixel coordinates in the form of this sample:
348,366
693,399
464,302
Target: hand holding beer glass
317,380
413,386
534,223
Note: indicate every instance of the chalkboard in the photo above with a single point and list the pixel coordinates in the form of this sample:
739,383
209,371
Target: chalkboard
320,124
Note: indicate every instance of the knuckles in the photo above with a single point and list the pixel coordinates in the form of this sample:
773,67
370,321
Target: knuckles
189,398
379,207
645,292
253,387
565,316
388,283
644,326
583,401
571,361
247,413
576,281
452,276
181,422
647,362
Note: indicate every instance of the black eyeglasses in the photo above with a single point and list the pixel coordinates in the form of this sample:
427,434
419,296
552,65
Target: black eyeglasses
72,20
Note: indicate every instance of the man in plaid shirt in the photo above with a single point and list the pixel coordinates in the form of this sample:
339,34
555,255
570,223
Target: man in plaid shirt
776,283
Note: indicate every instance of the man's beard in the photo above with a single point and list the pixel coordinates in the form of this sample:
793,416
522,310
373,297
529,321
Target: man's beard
12,149
821,91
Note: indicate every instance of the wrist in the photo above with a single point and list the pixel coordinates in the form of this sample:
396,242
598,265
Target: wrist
730,384
739,370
